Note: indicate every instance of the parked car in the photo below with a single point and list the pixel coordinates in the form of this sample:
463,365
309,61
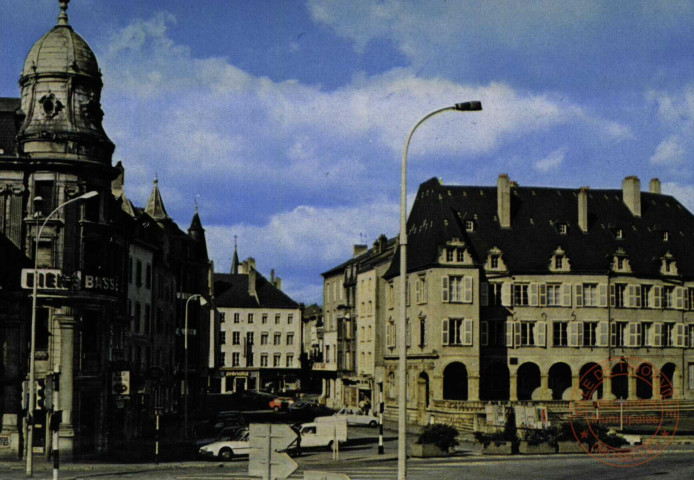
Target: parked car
227,449
227,433
354,416
281,403
256,399
229,421
308,410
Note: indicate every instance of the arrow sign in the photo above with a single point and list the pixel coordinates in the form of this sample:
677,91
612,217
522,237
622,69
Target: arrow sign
266,443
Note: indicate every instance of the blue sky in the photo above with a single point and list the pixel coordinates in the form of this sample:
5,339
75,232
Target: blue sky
286,119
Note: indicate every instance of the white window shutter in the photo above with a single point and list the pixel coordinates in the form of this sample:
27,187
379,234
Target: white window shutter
467,289
506,294
657,296
541,337
679,298
602,292
657,334
579,295
533,295
613,295
484,333
484,294
566,294
444,332
632,340
467,332
516,334
631,303
679,335
573,334
508,326
444,288
602,334
543,294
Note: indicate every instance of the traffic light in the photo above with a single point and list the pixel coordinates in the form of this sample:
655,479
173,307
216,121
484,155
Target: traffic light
40,394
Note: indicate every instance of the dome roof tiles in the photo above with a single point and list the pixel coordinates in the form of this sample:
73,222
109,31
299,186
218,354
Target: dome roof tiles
61,50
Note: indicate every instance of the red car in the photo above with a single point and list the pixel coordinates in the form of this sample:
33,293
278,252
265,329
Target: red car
281,403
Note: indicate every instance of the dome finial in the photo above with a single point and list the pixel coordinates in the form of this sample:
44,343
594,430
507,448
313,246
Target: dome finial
62,18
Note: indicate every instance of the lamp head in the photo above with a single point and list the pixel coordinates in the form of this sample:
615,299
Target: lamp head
90,194
203,302
473,106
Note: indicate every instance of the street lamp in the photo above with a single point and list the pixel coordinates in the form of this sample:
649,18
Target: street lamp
185,363
402,333
32,351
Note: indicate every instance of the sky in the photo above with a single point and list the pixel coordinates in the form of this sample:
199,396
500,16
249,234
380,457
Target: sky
285,120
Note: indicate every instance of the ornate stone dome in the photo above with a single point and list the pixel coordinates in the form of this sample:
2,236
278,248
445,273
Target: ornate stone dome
61,50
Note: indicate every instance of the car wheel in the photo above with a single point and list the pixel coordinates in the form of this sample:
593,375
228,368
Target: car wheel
276,408
373,424
226,454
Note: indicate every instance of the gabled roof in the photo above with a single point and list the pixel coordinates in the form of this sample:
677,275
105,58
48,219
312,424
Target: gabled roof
439,213
367,259
231,291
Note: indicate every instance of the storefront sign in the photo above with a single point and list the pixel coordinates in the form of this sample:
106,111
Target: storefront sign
93,282
47,279
237,374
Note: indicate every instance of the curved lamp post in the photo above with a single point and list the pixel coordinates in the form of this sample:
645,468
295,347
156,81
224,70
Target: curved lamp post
32,351
185,363
402,331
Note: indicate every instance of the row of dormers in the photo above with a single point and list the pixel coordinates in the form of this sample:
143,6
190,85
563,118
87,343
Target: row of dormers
455,252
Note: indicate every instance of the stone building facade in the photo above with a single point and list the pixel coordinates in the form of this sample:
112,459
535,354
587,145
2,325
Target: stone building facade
515,293
53,149
260,332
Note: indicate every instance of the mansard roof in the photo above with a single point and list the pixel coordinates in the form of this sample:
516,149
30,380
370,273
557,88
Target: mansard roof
231,291
440,211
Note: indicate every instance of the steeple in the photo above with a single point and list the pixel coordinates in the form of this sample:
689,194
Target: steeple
235,261
155,204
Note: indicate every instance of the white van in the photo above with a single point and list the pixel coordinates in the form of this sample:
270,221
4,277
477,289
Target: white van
323,432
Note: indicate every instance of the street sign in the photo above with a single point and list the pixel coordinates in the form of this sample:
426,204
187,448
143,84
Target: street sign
266,443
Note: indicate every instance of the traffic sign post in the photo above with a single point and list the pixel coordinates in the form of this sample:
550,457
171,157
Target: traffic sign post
268,458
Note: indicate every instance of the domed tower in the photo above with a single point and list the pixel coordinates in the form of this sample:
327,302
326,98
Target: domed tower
61,100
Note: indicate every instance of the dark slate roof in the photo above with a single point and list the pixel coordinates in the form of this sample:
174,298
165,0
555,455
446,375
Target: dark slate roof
365,260
231,291
8,124
439,212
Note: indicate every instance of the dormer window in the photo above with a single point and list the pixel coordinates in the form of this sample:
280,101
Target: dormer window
619,234
494,261
450,253
620,263
668,265
666,236
460,255
562,228
470,225
559,261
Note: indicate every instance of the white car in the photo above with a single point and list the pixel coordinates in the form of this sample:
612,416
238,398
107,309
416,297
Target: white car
226,449
354,416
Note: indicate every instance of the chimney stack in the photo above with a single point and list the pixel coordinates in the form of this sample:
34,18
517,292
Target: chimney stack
583,209
251,281
631,194
503,200
359,248
655,186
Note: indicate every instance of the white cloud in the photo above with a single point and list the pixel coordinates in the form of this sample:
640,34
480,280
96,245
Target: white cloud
302,239
669,152
551,162
683,193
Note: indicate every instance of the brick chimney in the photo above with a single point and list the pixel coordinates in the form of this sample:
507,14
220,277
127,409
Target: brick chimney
251,281
503,200
583,209
631,194
654,187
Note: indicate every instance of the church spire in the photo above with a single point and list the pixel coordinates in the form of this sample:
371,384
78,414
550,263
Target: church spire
155,205
235,261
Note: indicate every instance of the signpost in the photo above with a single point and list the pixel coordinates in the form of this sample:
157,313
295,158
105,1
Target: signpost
267,458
